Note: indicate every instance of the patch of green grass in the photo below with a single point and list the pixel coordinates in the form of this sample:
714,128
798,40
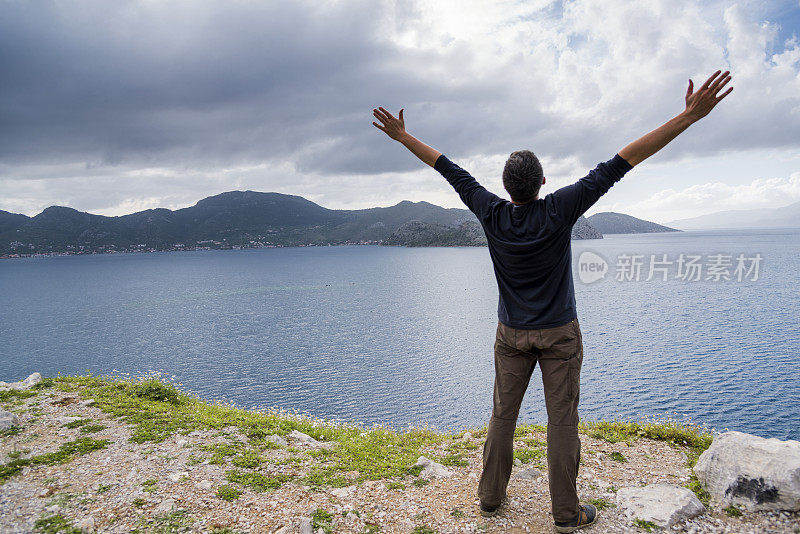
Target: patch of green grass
194,460
699,490
257,481
221,451
695,438
613,489
138,502
64,454
526,455
55,524
102,488
14,454
453,460
322,519
618,457
423,529
11,395
227,492
396,485
525,430
421,482
458,514
150,486
77,423
647,526
601,504
248,459
91,429
732,511
172,522
11,431
154,390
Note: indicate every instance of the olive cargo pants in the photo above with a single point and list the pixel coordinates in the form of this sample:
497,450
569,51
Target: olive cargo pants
559,352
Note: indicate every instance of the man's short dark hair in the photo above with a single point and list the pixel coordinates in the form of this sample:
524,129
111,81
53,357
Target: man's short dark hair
522,175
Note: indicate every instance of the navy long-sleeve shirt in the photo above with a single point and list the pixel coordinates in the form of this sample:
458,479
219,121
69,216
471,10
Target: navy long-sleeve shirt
530,244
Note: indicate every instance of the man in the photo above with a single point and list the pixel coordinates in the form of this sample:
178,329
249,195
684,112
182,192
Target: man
529,243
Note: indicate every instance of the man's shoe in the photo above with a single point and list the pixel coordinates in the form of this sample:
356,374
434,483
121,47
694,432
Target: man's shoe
587,516
489,511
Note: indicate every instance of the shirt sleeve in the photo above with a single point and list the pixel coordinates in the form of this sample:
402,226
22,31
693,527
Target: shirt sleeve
474,195
572,201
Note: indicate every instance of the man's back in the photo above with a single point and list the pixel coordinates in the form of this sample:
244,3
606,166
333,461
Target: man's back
530,243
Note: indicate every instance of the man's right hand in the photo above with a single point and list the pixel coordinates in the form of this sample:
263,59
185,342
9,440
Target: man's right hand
700,104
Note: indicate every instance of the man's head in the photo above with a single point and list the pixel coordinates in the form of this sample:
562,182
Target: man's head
522,176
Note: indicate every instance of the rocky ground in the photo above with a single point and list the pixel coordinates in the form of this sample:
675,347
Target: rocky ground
226,480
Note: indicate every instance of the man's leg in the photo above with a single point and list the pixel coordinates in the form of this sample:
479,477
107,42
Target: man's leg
561,359
513,365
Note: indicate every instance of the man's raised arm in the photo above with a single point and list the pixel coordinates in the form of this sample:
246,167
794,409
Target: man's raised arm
396,129
698,105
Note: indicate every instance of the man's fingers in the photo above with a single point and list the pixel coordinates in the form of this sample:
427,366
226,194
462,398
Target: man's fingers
380,116
378,126
689,89
387,113
709,80
401,115
716,88
724,76
723,95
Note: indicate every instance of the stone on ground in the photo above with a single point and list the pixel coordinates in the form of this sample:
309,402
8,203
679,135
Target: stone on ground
663,504
431,469
753,472
8,420
303,438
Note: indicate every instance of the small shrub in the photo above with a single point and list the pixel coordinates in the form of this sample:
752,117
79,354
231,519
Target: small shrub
733,511
77,423
249,459
455,512
55,524
601,504
699,490
257,481
618,457
421,482
91,429
154,390
138,502
322,519
396,485
647,526
227,492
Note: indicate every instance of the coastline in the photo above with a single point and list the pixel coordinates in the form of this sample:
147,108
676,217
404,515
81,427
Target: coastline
100,454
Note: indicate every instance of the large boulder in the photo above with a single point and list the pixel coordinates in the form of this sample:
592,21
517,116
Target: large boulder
8,420
29,382
663,504
753,472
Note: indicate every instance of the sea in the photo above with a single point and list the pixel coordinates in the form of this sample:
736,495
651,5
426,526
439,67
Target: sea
699,327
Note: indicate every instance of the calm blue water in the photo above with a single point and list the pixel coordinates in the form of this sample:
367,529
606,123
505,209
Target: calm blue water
404,336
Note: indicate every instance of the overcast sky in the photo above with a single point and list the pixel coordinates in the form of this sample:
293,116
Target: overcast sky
115,107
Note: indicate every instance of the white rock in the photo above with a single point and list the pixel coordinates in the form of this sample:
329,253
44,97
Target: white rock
663,504
304,438
282,530
29,382
8,419
431,469
86,524
305,526
517,462
467,436
165,506
277,440
203,485
32,380
87,403
320,530
175,477
528,474
753,472
341,493
350,517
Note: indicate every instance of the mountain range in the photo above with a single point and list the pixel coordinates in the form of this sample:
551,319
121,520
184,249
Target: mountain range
238,219
783,217
609,222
